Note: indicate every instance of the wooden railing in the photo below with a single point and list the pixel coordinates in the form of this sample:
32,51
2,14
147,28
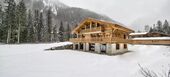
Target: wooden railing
120,40
91,30
100,40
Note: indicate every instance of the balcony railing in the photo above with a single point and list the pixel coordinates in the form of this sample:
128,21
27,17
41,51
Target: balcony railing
91,30
100,40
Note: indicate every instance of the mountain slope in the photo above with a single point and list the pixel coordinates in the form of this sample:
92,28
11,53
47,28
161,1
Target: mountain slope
62,12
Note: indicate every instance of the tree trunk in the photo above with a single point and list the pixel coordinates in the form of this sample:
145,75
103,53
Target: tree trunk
9,35
18,35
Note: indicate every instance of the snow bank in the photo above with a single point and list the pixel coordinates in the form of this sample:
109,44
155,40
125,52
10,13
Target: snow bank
30,60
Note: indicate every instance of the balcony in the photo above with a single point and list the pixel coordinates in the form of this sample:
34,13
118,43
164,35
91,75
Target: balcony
100,40
95,29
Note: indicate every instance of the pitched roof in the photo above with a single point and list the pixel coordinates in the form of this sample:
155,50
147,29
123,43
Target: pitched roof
102,21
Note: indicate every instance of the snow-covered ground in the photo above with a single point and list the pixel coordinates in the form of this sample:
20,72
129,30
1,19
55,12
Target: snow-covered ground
30,60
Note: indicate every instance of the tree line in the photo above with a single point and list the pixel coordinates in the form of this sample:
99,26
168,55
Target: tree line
161,27
21,25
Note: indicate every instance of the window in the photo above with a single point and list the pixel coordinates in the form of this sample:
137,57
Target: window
93,25
125,46
124,36
98,25
87,26
117,47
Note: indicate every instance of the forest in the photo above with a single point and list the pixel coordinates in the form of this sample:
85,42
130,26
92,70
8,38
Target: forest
21,25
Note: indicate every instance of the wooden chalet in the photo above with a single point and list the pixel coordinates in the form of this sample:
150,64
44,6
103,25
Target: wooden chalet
154,38
147,34
100,36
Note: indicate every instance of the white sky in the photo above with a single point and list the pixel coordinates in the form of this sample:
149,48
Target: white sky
133,13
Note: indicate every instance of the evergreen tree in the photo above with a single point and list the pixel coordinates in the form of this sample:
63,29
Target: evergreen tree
21,22
55,33
3,26
67,33
1,30
146,28
159,26
166,27
35,27
40,27
49,24
150,30
61,31
154,29
30,29
10,20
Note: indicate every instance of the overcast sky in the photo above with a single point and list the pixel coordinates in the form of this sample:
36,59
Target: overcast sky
133,13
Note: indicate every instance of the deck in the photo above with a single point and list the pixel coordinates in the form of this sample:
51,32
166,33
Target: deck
120,40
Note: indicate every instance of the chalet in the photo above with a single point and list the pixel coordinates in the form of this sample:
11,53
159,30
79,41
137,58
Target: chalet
153,38
100,36
147,34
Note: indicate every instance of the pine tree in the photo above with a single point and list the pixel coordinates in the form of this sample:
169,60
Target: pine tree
60,34
154,29
55,33
10,20
146,28
40,27
67,33
21,22
30,30
150,30
49,24
159,26
35,26
166,27
1,25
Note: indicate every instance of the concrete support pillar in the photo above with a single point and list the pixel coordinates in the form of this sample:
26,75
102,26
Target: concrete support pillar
114,51
108,49
74,46
84,46
87,47
90,25
97,48
78,46
121,47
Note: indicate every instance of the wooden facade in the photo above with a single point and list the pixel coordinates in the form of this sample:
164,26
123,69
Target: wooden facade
98,35
153,38
147,34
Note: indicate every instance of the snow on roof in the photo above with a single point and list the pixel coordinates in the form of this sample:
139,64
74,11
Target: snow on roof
152,38
142,33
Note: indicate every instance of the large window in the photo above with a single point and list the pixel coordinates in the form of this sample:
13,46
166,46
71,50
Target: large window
117,46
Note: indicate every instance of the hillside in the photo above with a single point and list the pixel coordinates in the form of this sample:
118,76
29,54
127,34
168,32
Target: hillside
62,12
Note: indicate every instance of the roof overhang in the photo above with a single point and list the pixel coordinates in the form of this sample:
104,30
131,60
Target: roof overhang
113,25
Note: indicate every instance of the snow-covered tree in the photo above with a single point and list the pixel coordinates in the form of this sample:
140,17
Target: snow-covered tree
21,22
159,26
49,24
61,32
30,28
67,33
40,27
10,20
166,27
